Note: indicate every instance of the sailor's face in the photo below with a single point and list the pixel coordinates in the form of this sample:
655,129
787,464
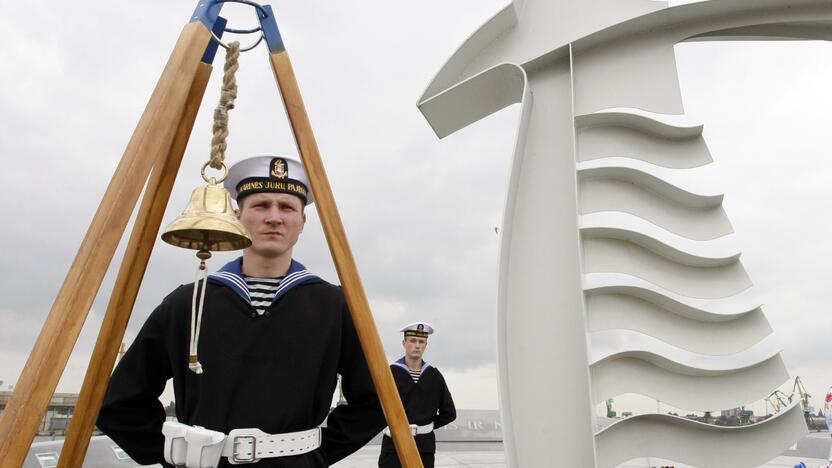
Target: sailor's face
274,221
414,346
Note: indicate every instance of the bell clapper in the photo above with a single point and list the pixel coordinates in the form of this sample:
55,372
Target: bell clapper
202,255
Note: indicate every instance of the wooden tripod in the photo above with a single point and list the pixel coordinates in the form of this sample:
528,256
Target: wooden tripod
158,143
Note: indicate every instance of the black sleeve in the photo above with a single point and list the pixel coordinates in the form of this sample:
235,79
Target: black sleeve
351,426
447,410
132,414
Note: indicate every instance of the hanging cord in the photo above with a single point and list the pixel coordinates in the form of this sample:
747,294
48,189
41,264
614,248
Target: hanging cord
227,97
218,146
196,310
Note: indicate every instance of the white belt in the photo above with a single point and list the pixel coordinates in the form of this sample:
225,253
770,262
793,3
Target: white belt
414,429
197,447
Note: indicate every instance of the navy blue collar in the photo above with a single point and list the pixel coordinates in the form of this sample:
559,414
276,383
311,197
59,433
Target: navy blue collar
403,364
231,275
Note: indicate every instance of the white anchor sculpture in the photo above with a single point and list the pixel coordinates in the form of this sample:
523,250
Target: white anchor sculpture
610,229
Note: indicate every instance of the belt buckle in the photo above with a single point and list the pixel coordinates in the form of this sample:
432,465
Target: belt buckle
414,429
235,455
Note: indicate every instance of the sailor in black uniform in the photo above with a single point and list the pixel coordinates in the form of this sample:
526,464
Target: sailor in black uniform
424,394
271,341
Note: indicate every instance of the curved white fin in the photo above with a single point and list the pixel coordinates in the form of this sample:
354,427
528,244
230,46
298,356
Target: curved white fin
625,226
713,310
670,126
690,187
698,444
622,312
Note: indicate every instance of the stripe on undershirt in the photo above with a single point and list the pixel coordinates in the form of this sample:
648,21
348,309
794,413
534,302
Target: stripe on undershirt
262,291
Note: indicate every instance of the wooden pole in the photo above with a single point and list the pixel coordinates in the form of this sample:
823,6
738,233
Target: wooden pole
150,141
344,262
130,276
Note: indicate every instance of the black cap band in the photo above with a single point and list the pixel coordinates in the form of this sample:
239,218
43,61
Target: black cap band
266,184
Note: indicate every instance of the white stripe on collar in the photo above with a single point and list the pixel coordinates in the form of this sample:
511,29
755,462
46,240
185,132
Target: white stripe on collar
401,363
231,275
236,280
289,280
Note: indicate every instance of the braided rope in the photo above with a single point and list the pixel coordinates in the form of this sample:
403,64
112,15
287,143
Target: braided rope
227,97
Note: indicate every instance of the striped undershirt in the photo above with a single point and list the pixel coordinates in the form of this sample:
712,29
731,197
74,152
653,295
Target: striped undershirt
415,374
262,291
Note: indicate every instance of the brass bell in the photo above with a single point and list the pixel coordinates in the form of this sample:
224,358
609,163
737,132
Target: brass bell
208,222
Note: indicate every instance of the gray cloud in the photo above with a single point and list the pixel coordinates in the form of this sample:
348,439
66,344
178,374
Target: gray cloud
419,212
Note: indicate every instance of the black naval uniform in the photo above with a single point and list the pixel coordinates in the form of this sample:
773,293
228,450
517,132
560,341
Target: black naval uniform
275,372
424,402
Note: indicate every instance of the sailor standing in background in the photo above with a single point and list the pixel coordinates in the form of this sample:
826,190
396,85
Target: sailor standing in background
424,394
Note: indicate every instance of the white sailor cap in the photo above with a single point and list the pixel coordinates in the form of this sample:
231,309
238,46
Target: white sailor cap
268,173
420,329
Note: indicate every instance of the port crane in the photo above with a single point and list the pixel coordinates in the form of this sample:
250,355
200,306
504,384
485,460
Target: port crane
778,400
808,409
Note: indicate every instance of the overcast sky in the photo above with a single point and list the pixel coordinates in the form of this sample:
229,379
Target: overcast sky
420,212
